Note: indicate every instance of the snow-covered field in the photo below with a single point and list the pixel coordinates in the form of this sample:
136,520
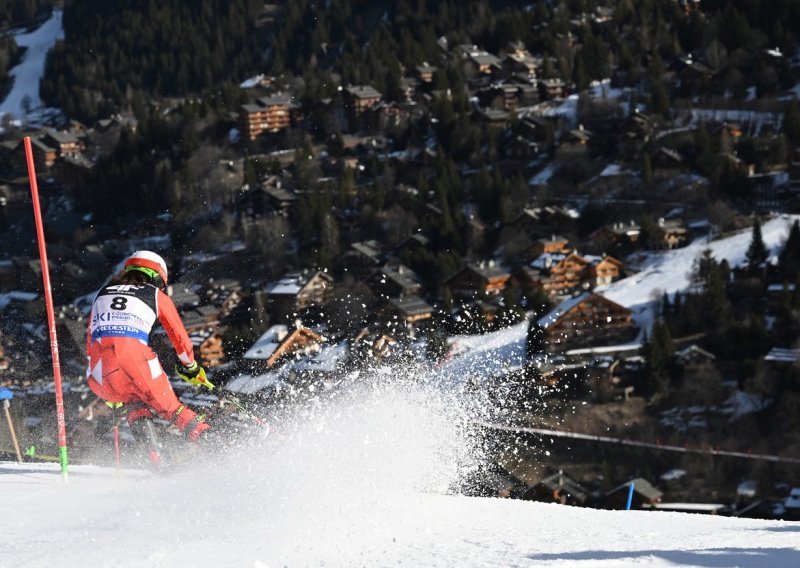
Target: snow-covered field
359,482
25,91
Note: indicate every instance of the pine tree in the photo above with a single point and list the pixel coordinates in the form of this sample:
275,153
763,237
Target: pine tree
757,252
658,352
789,259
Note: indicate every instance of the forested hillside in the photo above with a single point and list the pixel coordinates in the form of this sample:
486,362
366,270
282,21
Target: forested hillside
14,13
117,51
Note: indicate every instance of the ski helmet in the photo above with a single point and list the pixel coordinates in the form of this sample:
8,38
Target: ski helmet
150,264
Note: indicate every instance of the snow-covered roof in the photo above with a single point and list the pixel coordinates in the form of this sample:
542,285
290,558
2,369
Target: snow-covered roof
561,309
327,360
251,384
267,343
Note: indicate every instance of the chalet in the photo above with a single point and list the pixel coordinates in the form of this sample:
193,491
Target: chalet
267,114
696,361
478,61
44,155
518,147
475,279
279,342
546,220
666,162
226,294
208,347
412,245
670,234
638,127
576,140
298,291
264,201
602,270
65,143
644,495
425,72
502,97
200,317
692,75
361,259
553,244
518,60
359,98
551,88
791,505
586,320
493,118
183,297
558,274
75,169
558,488
565,272
374,344
612,180
408,310
616,236
394,282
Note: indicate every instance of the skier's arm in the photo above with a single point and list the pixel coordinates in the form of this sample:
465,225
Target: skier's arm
169,318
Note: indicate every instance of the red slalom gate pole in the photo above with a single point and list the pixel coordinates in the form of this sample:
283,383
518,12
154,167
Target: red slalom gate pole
51,320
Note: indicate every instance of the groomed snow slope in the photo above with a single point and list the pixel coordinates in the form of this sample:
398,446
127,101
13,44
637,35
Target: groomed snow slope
358,480
262,520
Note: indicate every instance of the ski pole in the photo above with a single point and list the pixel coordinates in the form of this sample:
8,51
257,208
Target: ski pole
238,406
116,436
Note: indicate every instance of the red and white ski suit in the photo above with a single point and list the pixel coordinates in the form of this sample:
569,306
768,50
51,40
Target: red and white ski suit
123,367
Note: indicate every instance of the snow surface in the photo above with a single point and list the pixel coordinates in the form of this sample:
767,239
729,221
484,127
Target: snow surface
31,69
365,481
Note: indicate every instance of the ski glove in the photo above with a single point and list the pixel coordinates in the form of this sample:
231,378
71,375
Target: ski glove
194,374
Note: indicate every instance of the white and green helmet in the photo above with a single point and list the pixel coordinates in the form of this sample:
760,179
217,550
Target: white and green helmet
150,264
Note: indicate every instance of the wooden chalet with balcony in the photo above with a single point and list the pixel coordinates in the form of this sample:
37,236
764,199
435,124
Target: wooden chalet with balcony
586,320
556,274
478,279
602,270
554,244
268,114
65,143
298,291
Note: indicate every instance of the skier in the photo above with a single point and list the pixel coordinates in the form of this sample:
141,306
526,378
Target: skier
122,367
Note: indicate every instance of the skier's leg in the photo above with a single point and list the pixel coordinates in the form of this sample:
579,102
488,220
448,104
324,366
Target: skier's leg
154,389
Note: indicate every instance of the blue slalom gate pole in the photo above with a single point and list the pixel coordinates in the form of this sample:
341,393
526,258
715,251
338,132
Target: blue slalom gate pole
630,497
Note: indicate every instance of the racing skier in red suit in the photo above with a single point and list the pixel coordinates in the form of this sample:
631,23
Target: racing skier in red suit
122,366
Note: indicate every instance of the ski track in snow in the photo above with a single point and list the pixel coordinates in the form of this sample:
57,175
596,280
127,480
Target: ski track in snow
30,70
